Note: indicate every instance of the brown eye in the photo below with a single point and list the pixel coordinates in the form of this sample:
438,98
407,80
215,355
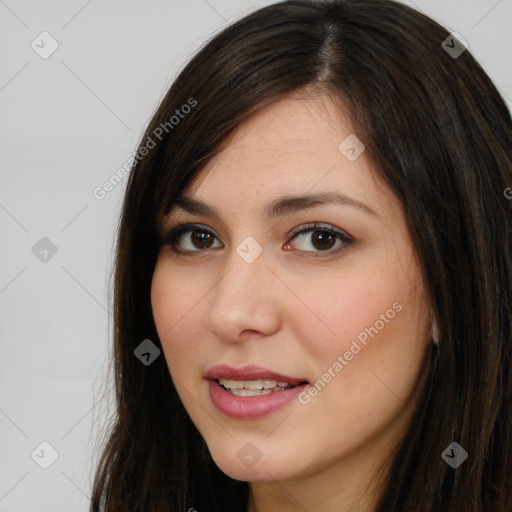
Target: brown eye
187,238
321,238
201,239
315,238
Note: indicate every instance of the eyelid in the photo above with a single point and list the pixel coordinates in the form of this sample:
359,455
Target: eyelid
310,226
171,234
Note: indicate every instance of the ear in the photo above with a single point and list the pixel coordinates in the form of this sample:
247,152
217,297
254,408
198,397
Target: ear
434,333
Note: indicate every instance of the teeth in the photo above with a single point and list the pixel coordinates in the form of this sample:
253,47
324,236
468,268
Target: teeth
253,384
269,384
249,392
254,387
234,384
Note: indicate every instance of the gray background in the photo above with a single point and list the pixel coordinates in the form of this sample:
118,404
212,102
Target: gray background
67,123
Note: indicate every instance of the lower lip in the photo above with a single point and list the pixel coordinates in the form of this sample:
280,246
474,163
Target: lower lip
251,407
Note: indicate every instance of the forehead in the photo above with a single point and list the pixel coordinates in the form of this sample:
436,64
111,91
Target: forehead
291,147
293,125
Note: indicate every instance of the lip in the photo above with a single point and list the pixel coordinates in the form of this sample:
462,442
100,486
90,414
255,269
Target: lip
250,372
250,407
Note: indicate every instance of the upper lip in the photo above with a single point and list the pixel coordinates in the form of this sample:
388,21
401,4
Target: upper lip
250,372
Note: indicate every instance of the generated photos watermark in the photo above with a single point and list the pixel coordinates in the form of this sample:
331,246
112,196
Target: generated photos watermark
343,360
101,191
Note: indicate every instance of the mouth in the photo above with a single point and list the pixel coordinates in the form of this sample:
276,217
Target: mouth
251,378
254,387
252,391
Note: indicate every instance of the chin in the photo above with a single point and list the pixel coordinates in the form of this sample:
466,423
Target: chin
244,464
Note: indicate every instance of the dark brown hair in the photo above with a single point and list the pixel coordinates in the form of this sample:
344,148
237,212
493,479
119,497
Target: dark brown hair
437,130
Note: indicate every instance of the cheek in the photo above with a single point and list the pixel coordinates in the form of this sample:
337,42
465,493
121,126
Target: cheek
173,313
347,309
369,321
366,372
173,297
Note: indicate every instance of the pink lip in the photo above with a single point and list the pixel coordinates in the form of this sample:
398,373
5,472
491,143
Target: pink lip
250,407
250,372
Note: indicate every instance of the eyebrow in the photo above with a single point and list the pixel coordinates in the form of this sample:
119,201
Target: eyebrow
280,206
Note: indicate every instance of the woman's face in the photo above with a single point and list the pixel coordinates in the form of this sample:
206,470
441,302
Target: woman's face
340,315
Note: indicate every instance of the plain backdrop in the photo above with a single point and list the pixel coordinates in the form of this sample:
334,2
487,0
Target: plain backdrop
68,121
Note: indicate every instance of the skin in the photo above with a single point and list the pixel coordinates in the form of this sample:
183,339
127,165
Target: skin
296,313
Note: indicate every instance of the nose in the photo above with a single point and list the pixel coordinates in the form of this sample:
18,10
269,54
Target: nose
246,299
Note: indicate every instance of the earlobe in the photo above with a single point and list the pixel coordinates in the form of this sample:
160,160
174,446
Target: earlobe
434,332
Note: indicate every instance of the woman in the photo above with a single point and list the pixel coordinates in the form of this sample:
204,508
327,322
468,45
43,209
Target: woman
316,237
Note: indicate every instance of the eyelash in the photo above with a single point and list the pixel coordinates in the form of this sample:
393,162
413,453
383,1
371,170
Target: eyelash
172,236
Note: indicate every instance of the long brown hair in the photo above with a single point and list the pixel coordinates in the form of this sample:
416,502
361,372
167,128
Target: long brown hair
437,130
